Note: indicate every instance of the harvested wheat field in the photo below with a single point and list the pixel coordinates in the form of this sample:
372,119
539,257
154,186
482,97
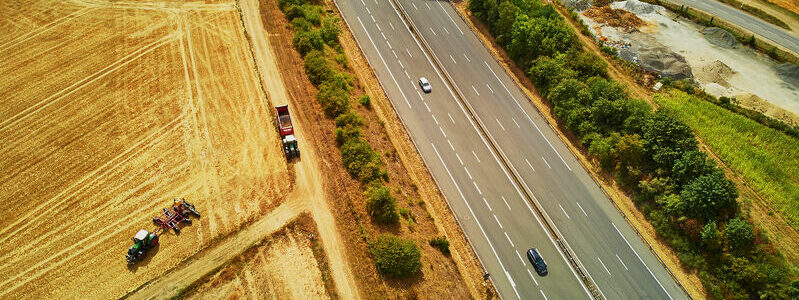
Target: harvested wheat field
289,264
107,112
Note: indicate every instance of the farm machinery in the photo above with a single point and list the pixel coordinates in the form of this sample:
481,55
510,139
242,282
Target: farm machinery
286,129
171,218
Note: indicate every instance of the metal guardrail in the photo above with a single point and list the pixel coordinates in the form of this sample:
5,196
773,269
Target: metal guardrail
564,248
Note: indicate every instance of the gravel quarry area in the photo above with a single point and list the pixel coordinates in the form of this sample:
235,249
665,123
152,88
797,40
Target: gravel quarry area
679,49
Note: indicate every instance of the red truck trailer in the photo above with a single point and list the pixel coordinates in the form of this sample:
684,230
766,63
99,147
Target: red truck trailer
286,130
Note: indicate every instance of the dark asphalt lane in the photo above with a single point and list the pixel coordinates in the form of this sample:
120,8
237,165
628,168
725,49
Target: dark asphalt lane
498,221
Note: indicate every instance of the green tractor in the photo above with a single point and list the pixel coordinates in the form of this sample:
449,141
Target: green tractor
142,241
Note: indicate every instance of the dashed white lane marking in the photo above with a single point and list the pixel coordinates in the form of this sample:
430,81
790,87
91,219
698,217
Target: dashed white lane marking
373,18
581,208
389,45
486,202
496,219
474,217
395,54
450,118
445,29
364,3
500,125
475,155
564,212
427,107
532,277
420,96
433,31
467,58
414,6
409,52
450,145
514,122
622,263
477,187
468,173
450,17
475,91
384,62
506,202
434,119
459,158
378,27
406,75
390,25
383,34
367,10
603,265
641,260
428,5
529,164
545,161
507,237
489,88
542,294
520,258
453,59
400,63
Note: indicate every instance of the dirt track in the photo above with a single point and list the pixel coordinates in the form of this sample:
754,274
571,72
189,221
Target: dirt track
107,112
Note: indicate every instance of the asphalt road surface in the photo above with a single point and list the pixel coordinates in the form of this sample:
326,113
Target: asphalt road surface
500,224
744,20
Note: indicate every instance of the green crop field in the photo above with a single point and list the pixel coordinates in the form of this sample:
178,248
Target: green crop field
767,159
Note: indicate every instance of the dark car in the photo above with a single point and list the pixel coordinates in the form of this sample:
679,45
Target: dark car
538,262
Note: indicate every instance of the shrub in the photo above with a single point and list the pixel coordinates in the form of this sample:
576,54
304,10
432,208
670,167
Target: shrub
709,234
394,256
317,68
283,4
349,118
739,234
381,205
587,64
707,196
306,41
312,13
346,133
441,243
547,72
335,100
362,161
300,25
330,31
365,101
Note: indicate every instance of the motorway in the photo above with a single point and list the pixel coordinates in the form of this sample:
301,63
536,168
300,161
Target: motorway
454,137
744,20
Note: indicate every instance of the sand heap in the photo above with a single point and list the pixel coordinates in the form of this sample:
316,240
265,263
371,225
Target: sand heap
715,72
756,103
615,17
720,37
789,72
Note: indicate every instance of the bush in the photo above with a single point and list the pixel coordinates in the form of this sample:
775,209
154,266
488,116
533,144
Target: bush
283,4
349,118
441,243
330,31
739,234
365,101
708,196
346,133
381,205
301,25
306,41
362,161
395,257
666,138
335,100
317,68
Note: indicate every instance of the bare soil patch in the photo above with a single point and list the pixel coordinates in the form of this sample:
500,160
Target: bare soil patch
110,110
615,17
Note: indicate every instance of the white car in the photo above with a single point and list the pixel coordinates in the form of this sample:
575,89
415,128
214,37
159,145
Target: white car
425,85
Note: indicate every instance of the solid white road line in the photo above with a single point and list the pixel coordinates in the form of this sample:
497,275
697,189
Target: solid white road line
581,208
486,202
642,261
532,277
529,164
506,202
450,18
384,63
497,219
489,88
475,155
545,161
467,172
450,118
520,258
500,125
475,91
603,265
622,263
514,122
474,217
564,212
508,237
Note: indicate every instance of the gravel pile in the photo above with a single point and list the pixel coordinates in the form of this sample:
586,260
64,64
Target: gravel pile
715,72
720,37
789,72
660,60
637,7
578,5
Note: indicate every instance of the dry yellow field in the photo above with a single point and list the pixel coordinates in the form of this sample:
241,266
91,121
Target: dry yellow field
107,112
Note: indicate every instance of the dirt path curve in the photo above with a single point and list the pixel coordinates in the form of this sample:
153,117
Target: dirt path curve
176,280
307,175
